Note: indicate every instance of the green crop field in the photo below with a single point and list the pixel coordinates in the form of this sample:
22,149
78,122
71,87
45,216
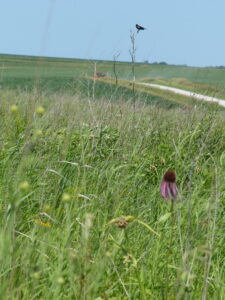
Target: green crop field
68,75
25,67
81,163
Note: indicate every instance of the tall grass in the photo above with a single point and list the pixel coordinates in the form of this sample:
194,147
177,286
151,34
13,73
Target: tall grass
80,210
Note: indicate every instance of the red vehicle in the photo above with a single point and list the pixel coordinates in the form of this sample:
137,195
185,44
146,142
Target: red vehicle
99,74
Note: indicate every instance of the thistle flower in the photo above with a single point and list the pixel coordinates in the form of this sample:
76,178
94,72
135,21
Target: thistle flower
168,187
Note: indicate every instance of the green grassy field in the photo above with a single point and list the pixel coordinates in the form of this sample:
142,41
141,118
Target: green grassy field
81,212
25,70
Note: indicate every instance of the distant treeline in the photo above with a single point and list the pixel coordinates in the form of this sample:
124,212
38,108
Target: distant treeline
163,63
182,65
218,67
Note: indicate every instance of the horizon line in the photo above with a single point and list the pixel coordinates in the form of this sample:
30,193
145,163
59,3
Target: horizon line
118,61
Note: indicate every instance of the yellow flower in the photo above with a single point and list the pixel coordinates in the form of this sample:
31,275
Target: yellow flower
47,208
38,132
108,254
13,108
40,110
66,197
60,280
44,224
36,275
24,186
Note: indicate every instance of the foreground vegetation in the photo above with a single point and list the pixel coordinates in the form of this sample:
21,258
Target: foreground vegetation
81,213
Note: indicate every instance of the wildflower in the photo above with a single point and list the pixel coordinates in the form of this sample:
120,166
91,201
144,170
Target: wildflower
40,110
163,161
44,224
168,187
198,170
38,132
153,167
60,280
108,254
13,108
73,255
47,208
36,275
66,197
24,186
122,223
40,222
128,259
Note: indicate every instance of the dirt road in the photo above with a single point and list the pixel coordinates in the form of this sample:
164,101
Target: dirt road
185,93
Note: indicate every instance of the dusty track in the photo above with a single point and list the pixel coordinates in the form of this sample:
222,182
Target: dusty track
184,93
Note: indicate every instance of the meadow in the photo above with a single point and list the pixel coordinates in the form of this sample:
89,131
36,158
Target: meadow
54,73
81,212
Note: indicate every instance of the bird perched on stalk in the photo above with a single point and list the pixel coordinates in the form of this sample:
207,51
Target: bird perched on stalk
139,28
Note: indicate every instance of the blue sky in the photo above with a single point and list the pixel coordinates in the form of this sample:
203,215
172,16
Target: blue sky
188,32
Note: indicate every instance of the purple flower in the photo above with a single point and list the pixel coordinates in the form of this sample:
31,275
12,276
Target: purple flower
168,187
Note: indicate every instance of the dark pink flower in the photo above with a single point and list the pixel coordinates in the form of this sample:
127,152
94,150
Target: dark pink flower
168,187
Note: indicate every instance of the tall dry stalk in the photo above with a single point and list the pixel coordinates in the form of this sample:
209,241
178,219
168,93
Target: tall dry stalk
115,57
132,52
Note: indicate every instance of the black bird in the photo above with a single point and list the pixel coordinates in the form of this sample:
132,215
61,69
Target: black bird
139,28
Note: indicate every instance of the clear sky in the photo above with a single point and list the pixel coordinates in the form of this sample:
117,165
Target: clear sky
188,32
